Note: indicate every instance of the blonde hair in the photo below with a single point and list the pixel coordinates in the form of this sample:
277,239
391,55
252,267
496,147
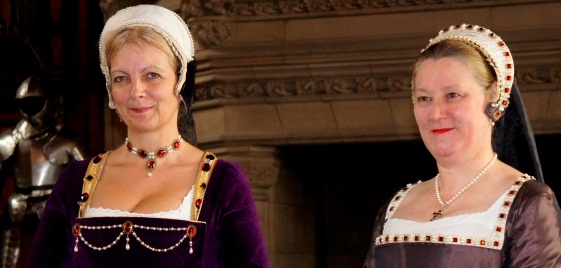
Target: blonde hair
139,35
471,56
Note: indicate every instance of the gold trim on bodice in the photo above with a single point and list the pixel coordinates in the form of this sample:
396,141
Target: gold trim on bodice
201,184
90,181
91,178
96,165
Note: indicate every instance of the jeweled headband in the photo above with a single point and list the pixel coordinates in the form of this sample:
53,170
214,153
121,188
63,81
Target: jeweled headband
165,22
497,54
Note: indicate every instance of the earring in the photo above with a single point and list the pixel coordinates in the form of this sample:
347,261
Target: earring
492,123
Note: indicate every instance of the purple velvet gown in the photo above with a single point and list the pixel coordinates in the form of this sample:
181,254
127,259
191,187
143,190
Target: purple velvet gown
529,235
225,229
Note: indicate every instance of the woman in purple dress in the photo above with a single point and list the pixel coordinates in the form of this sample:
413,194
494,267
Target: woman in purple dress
157,200
479,210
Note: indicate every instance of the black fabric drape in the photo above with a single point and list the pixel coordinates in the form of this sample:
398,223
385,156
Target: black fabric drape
513,138
186,122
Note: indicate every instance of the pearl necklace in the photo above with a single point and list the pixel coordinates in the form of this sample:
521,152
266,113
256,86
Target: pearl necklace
438,214
160,153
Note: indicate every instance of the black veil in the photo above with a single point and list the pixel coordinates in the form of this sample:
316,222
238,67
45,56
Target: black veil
513,138
186,123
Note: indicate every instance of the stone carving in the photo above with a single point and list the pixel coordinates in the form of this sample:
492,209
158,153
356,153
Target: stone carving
210,22
529,76
339,86
210,33
296,7
307,87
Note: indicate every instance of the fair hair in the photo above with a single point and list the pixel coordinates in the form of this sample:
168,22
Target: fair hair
138,35
464,52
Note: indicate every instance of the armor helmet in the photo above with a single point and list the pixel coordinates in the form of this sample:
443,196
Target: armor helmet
35,103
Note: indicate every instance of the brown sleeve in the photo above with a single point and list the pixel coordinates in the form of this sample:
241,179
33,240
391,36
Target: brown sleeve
377,231
534,228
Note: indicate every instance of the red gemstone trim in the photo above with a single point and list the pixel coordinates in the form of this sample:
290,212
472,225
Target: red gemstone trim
76,229
127,227
151,164
205,167
494,241
142,153
191,231
161,153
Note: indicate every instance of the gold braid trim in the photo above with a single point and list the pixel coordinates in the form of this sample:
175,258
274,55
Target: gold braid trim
201,183
90,180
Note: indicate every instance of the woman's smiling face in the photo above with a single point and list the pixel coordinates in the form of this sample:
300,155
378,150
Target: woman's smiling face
142,85
449,107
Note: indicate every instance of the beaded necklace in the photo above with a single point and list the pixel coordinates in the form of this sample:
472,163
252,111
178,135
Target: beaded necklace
438,214
128,229
160,153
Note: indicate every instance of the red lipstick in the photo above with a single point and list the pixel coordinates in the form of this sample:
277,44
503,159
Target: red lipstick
441,130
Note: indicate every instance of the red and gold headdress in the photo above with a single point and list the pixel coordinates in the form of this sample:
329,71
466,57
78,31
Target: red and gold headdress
497,53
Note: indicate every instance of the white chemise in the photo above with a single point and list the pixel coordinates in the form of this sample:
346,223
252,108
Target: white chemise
479,224
183,212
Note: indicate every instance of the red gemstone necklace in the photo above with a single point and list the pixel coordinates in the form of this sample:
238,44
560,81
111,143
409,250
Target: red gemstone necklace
152,156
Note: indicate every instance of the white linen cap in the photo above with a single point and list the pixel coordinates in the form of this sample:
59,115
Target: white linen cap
165,22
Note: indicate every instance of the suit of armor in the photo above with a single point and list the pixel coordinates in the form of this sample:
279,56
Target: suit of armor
35,151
